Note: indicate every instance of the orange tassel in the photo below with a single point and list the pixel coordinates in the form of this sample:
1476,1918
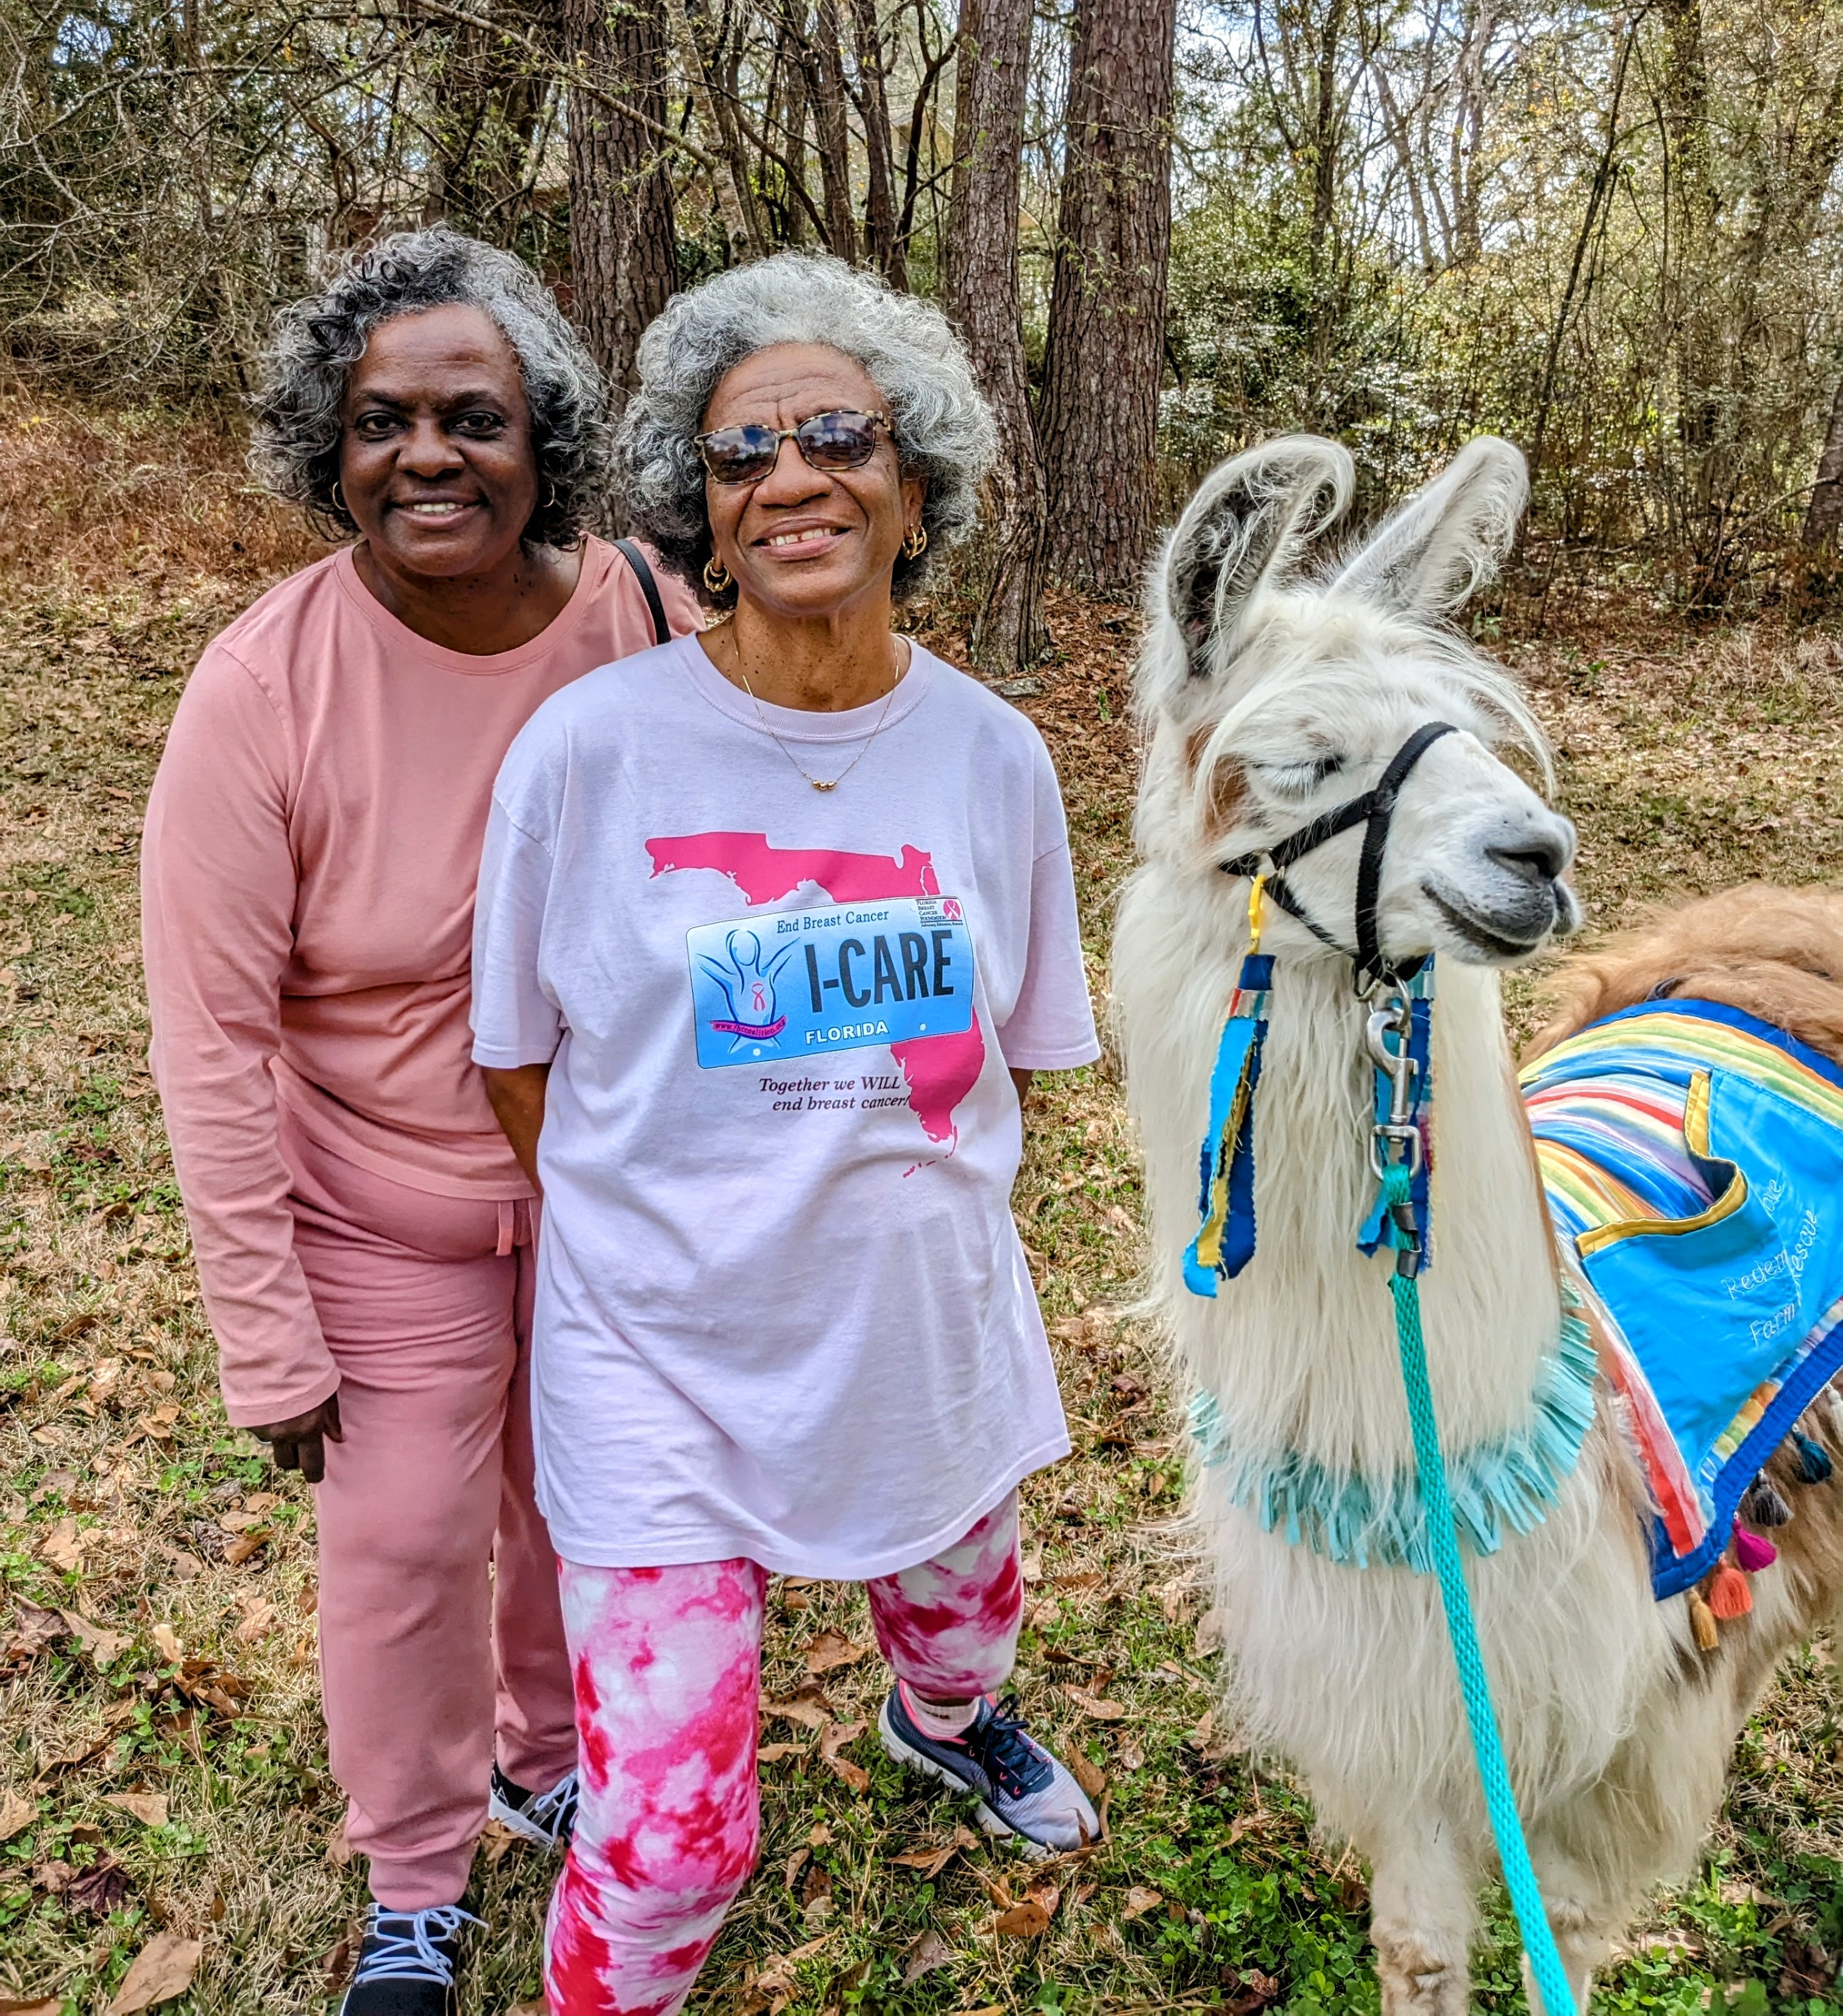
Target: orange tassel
1708,1633
1729,1595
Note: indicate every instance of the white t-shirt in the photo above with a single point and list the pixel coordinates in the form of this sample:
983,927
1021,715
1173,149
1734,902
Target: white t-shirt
783,1310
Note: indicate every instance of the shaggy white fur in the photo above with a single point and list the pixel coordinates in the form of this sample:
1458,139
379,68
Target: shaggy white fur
1268,696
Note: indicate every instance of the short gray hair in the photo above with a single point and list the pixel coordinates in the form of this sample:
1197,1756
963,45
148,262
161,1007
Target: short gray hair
295,451
944,428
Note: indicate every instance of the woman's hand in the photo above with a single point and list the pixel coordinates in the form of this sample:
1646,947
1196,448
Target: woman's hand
299,1442
517,1097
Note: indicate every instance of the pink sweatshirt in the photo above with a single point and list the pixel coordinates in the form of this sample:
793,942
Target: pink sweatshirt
307,875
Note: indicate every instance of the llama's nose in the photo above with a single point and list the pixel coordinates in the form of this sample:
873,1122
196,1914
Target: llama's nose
1537,853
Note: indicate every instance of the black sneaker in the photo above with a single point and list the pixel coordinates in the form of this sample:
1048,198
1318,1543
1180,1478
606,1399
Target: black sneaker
547,1820
1022,1789
406,1966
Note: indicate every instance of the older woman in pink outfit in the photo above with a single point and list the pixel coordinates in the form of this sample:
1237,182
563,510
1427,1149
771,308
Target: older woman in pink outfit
364,1233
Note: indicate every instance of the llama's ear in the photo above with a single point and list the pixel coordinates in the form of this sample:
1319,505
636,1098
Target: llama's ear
1447,539
1250,519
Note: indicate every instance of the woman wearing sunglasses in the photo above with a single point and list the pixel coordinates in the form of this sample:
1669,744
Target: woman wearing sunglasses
776,922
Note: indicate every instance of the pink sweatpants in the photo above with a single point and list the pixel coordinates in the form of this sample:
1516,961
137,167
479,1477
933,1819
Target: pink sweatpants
437,1580
668,1666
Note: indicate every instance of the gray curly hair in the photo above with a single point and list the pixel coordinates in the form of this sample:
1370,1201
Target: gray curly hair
944,428
295,451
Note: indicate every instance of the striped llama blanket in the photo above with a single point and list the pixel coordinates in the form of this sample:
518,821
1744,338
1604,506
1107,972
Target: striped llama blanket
1693,1160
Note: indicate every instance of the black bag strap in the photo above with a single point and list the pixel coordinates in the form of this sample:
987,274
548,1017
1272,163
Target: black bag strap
662,630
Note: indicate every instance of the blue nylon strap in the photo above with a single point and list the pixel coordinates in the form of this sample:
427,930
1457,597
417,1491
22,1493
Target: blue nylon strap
1224,1241
1494,1776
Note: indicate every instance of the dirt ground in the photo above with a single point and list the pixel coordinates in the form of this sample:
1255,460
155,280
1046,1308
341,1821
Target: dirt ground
163,1778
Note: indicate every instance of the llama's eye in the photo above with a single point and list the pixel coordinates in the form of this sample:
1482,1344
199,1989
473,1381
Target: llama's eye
1295,779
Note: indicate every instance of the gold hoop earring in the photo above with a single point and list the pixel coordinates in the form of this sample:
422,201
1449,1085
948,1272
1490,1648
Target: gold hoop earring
717,577
916,542
339,500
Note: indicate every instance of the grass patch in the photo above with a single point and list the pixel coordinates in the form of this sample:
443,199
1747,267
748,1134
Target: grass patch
128,1504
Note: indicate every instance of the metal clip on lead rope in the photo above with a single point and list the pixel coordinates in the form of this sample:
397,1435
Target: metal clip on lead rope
1395,1141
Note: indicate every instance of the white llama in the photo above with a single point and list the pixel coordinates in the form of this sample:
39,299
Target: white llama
1270,694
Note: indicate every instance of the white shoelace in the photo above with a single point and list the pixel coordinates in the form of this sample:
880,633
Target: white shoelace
410,1953
555,1809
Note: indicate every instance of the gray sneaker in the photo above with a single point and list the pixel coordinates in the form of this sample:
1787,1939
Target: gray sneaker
1022,1790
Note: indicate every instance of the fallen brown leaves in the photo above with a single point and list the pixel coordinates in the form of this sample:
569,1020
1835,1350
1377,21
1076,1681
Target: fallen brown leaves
1250,1991
116,1718
162,1970
104,1647
832,1650
808,1711
1029,1917
149,1807
1090,1777
1091,1704
497,1841
772,1986
157,1425
34,1630
259,1620
206,1682
928,1953
98,1890
931,1861
1807,1970
832,1740
1087,1580
64,1546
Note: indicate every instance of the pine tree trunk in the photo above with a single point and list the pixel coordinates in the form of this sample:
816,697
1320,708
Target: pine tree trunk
1824,513
1703,400
1098,419
488,104
979,291
729,187
623,257
835,146
788,109
881,246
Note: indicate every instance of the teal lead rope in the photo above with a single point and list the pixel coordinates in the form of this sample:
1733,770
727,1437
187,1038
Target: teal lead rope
1500,1803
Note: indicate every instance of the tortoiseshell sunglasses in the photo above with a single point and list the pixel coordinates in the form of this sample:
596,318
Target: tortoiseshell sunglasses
828,441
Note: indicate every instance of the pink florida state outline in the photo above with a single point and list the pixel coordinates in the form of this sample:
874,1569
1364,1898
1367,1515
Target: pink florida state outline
939,1071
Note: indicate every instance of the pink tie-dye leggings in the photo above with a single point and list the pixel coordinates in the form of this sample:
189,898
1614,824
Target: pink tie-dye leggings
668,1664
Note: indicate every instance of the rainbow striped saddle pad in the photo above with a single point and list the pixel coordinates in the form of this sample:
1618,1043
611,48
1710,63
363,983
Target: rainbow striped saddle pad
1692,1158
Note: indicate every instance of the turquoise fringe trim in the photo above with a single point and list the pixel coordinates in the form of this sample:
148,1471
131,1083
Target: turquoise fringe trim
1507,1485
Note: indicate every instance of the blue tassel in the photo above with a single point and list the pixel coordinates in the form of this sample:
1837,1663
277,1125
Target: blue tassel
1224,1241
1813,1459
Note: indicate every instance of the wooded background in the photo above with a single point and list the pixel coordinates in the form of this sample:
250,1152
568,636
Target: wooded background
1166,227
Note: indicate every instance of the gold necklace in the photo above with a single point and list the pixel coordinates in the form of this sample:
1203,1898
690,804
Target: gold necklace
819,783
